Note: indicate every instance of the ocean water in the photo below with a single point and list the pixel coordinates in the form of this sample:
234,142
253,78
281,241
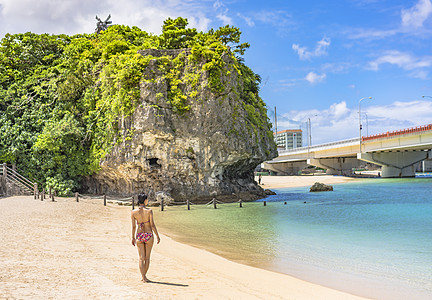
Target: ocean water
371,237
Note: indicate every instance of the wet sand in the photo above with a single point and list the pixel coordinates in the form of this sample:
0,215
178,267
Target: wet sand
70,250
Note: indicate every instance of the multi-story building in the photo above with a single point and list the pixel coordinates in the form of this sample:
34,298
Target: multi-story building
289,139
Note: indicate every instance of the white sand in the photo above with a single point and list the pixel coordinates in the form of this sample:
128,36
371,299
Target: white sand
274,182
70,250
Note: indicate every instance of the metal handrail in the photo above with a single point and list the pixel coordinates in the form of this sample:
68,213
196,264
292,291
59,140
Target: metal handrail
19,176
17,180
16,177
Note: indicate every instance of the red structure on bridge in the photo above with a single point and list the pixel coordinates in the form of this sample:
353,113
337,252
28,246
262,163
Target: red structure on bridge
398,132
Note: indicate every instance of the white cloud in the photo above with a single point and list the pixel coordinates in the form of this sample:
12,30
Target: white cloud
248,20
419,74
222,13
301,51
320,49
281,21
78,16
322,46
371,34
415,16
218,4
392,57
225,19
412,21
313,77
339,67
201,23
287,83
411,113
339,122
405,61
339,110
277,18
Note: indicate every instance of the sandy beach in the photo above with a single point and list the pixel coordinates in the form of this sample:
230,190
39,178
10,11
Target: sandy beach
70,250
277,182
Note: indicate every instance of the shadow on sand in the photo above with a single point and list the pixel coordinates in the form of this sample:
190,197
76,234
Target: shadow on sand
168,283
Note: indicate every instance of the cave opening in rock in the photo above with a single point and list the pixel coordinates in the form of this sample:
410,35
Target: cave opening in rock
153,162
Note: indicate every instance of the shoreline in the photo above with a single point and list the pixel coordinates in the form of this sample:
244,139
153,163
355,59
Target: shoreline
279,182
83,250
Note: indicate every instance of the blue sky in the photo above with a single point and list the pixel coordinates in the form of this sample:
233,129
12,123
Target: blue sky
317,59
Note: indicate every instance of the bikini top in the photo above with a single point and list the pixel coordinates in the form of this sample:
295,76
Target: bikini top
142,224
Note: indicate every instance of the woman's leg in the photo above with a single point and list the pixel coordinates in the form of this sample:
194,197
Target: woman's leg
148,247
142,255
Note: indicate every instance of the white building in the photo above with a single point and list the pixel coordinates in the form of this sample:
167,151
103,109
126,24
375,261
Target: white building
289,139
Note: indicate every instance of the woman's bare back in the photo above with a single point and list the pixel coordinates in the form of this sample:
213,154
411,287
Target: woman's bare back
143,219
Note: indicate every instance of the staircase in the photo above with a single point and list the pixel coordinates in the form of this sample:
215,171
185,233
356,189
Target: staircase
13,183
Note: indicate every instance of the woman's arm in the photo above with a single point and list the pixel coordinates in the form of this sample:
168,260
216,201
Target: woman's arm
153,225
133,227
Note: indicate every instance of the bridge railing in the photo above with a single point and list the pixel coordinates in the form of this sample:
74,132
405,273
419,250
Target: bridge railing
320,146
388,134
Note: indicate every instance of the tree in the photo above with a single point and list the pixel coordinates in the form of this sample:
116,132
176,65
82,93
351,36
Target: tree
175,35
231,35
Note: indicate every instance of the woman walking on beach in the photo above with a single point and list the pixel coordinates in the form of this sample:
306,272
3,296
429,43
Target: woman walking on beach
144,237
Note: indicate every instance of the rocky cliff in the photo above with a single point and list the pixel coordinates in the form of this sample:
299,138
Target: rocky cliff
190,137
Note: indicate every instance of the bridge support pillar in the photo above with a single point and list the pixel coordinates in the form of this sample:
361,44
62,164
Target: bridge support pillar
336,165
396,164
426,165
285,168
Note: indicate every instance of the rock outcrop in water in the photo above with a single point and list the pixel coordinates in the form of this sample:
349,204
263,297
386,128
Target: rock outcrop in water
320,187
209,150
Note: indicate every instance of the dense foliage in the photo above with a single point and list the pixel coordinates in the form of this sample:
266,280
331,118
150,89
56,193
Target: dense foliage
61,96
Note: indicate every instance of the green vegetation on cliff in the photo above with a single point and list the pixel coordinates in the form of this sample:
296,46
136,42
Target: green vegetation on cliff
61,97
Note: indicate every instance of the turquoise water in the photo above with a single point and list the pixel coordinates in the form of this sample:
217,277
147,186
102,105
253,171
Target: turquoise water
370,237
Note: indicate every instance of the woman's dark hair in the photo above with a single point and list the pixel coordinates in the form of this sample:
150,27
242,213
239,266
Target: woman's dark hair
141,198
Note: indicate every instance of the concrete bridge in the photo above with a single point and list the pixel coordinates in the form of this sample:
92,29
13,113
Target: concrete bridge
397,152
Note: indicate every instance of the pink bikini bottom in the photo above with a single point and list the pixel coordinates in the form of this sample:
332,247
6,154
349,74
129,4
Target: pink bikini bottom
144,237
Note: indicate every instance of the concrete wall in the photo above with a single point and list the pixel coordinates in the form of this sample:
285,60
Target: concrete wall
285,168
425,166
2,186
336,165
396,164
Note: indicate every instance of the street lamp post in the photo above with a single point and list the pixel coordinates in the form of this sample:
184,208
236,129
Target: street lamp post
423,162
367,124
309,127
309,136
360,126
